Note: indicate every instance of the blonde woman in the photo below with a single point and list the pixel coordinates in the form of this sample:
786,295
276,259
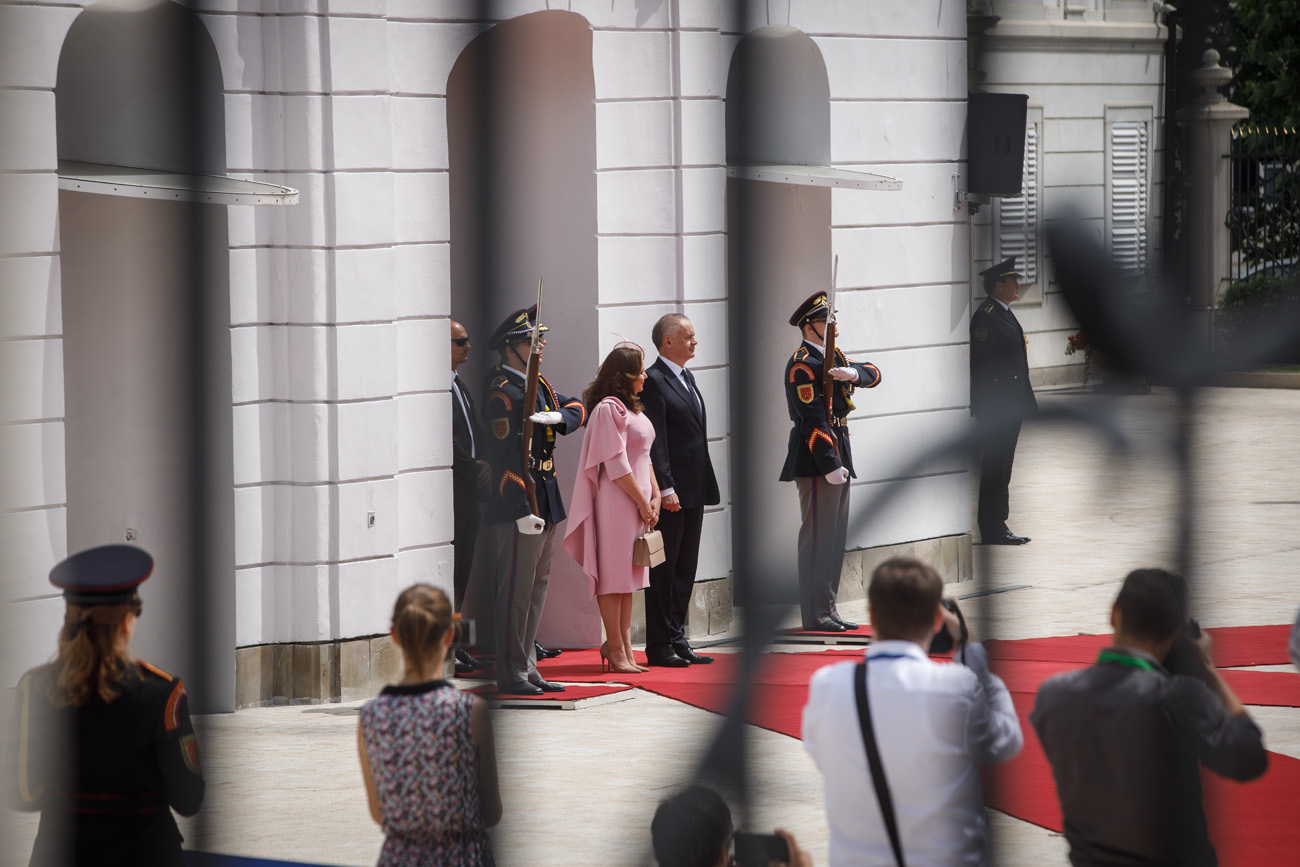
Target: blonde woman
426,749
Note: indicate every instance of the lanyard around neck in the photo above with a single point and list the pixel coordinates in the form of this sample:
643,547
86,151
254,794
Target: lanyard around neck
1119,657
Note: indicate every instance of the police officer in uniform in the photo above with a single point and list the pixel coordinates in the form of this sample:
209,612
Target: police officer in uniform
1000,396
106,749
820,462
524,540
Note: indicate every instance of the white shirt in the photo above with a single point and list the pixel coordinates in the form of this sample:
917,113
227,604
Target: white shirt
935,722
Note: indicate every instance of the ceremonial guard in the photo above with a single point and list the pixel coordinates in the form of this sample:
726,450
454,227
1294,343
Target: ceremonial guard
105,746
820,462
524,538
1000,396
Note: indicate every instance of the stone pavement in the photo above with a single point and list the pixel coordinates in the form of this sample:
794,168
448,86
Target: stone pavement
580,787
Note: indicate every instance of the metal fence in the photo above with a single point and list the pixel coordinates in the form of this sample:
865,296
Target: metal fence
1264,210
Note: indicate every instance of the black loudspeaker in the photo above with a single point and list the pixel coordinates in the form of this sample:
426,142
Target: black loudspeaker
995,127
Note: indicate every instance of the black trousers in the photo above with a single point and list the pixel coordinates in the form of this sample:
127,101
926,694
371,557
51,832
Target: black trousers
466,518
995,479
668,597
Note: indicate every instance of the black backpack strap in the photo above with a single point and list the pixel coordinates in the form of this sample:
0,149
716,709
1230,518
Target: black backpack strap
873,759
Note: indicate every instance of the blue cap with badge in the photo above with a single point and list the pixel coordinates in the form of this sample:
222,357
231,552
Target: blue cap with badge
107,575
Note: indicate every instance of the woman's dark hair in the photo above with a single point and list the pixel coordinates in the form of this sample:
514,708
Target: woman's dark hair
93,656
420,617
691,828
617,373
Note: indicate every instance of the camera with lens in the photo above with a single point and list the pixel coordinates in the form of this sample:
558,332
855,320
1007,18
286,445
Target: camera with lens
1185,656
942,641
463,633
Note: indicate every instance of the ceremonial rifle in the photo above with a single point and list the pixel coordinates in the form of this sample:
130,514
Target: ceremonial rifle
828,358
530,407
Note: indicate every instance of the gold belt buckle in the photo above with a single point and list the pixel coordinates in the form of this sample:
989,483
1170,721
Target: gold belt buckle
547,465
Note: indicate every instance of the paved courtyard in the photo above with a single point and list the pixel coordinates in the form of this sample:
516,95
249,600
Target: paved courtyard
580,787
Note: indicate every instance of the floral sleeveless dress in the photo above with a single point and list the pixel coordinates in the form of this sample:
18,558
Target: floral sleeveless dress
425,767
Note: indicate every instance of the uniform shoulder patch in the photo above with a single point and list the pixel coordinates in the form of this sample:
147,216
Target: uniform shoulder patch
499,381
804,369
190,753
801,353
981,334
501,428
156,671
806,392
987,308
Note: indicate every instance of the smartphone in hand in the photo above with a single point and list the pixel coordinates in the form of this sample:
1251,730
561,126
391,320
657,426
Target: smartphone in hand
759,850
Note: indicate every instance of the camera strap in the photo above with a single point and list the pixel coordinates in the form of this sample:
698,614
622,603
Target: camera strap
873,759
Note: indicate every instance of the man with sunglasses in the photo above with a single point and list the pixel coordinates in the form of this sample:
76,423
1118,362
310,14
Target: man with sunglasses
469,479
820,463
524,540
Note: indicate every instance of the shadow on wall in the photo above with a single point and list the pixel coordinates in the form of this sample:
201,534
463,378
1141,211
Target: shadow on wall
779,253
521,125
128,92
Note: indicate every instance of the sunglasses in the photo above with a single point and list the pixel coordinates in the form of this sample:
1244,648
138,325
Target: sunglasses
460,341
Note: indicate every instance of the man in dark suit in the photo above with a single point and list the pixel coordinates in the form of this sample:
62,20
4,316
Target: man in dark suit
820,462
524,540
1000,396
469,478
680,457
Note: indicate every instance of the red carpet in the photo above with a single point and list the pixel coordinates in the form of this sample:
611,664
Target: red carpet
1250,824
572,693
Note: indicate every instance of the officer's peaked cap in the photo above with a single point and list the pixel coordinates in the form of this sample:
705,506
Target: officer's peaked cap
107,575
1002,270
817,307
517,326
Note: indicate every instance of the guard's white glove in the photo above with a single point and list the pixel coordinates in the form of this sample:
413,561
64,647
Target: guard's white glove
844,374
546,418
530,525
838,477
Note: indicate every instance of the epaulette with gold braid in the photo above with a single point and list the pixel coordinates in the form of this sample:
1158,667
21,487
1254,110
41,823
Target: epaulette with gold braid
156,671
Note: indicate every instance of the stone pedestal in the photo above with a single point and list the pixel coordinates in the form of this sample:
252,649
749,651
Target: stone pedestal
1207,126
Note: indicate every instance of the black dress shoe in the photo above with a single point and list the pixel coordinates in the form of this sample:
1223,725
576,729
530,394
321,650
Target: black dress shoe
548,686
827,626
466,663
847,624
665,659
1006,537
543,653
691,656
523,687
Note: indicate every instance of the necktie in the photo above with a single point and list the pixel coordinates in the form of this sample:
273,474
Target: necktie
691,389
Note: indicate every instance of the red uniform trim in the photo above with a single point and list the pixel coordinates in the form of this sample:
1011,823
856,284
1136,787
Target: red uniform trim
819,433
153,669
508,476
579,404
505,398
876,381
172,715
805,368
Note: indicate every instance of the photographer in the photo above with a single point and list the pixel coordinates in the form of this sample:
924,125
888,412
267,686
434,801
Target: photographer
693,829
1126,737
932,724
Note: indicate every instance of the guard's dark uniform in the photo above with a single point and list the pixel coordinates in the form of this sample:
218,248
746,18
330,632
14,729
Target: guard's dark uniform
999,392
523,562
811,454
106,776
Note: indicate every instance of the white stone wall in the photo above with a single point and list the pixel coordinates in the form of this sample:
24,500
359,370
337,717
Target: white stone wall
339,305
1074,70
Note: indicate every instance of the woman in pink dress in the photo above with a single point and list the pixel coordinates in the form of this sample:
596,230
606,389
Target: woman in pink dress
615,498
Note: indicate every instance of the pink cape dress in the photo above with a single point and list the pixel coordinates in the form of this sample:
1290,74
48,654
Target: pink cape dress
603,519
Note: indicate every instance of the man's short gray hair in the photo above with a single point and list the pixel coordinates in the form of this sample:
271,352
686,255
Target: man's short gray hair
669,325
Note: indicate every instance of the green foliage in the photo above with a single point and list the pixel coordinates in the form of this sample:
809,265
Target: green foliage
1265,36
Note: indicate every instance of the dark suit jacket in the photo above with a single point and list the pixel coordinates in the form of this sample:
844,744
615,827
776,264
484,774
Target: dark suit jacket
680,453
464,470
999,366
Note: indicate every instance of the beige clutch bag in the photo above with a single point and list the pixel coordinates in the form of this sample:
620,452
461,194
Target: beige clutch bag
648,550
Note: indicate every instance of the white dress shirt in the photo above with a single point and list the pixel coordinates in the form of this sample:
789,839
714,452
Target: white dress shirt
935,722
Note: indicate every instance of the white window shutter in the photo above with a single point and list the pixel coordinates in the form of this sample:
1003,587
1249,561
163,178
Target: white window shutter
1018,217
1128,197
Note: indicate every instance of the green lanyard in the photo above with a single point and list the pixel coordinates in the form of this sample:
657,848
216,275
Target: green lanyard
1110,654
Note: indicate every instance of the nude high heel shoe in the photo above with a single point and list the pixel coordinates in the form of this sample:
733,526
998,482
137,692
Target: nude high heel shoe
607,664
